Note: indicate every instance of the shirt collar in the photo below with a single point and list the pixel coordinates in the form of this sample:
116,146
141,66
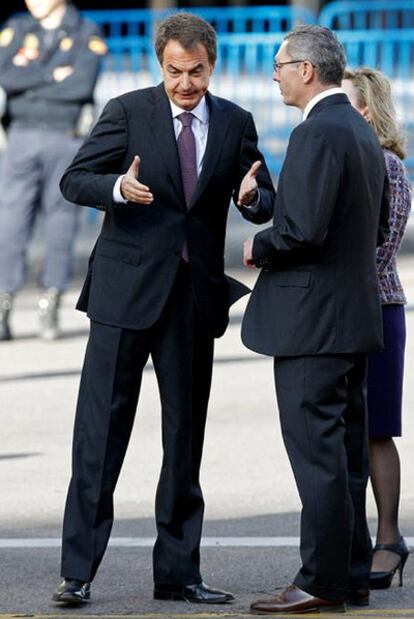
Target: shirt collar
200,111
322,95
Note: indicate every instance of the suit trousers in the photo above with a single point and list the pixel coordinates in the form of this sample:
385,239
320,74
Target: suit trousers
182,356
322,406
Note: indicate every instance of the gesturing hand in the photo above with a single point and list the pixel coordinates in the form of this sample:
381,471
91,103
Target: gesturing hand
248,187
131,189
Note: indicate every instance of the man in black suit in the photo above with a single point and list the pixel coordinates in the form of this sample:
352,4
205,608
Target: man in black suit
156,286
315,309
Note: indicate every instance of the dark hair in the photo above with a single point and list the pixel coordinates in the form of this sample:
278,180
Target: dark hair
188,30
321,46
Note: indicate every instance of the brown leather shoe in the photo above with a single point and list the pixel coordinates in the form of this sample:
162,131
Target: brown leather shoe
294,600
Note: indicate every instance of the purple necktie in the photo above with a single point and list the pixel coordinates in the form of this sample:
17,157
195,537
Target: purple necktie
187,152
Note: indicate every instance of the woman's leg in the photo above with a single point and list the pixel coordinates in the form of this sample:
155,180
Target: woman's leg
385,480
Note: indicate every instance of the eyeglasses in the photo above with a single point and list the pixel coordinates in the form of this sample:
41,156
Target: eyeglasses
277,65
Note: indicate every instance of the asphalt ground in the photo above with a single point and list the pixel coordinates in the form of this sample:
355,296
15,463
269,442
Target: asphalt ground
250,544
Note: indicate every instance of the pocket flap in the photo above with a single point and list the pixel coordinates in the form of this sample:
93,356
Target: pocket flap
300,279
119,251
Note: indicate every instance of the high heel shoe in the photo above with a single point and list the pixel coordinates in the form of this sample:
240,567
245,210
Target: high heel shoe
382,580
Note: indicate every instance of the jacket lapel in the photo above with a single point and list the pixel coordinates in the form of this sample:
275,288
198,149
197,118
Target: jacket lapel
163,130
218,124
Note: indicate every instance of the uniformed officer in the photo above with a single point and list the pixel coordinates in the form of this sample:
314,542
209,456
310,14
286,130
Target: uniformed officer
49,62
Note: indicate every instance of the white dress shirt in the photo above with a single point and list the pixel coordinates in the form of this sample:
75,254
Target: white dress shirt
199,127
322,95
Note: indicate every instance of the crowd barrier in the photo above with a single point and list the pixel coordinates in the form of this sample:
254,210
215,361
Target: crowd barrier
368,15
378,34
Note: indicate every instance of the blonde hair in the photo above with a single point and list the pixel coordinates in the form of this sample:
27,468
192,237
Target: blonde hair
374,92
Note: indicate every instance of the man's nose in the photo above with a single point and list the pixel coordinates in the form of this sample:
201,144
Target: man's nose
275,76
185,81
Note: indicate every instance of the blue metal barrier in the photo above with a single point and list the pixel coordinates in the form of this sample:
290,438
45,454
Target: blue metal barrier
380,34
133,30
236,20
248,39
366,15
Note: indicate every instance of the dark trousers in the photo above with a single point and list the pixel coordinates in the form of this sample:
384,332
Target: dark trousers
31,168
115,358
322,405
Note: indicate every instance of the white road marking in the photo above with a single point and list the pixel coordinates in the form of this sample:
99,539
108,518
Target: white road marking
148,542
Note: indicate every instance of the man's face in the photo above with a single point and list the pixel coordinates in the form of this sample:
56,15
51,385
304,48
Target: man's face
186,74
40,9
288,77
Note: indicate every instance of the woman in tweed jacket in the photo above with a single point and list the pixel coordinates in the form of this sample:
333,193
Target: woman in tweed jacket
369,92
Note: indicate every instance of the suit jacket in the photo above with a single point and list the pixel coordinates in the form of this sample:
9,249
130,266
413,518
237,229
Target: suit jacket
317,292
135,260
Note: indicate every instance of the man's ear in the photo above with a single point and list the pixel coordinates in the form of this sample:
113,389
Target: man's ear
307,71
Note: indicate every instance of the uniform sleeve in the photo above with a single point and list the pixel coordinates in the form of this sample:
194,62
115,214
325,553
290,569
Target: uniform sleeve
306,198
249,153
399,200
91,177
79,86
9,44
14,79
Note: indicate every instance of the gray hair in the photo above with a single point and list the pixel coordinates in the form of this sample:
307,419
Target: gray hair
188,30
322,48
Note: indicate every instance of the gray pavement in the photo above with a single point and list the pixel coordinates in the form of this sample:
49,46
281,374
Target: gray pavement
248,485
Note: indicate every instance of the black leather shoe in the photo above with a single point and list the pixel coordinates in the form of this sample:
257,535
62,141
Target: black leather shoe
196,594
72,592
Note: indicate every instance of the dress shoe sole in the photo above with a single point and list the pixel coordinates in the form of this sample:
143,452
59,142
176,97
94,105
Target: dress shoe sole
315,610
70,599
174,596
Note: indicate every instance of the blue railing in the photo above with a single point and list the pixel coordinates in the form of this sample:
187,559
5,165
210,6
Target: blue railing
133,30
378,34
248,39
234,20
368,15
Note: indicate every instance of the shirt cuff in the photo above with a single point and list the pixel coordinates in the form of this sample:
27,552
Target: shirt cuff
254,206
116,193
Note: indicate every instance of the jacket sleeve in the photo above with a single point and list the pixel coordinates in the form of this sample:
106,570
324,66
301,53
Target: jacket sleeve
249,153
307,194
90,179
397,213
79,86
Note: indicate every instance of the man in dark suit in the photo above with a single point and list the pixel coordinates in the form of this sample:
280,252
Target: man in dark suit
315,309
156,286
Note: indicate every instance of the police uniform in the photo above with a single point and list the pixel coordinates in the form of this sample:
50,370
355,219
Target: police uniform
42,115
